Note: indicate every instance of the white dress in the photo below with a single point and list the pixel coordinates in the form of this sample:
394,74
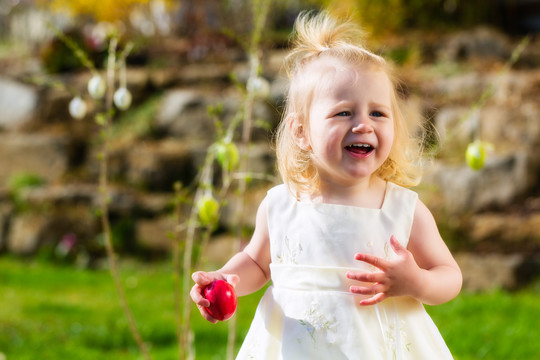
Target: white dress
309,313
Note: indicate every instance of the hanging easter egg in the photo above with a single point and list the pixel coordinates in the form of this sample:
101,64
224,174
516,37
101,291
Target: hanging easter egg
227,155
476,155
122,98
96,87
258,86
77,108
208,209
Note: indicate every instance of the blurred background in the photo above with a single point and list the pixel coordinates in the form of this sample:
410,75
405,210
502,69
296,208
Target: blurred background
471,70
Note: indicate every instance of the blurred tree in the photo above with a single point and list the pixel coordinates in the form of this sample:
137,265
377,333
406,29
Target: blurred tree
104,10
376,17
390,16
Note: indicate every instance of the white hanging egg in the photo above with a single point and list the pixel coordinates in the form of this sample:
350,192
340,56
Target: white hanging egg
122,98
96,87
77,108
258,86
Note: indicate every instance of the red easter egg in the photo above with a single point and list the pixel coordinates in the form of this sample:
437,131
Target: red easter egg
222,300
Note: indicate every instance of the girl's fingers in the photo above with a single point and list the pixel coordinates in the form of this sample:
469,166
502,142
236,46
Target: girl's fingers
232,279
368,290
205,314
372,260
373,300
197,297
201,278
201,302
396,245
366,277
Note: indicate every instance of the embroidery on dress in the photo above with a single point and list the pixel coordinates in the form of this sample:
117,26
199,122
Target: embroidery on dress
290,253
387,250
316,322
252,350
396,339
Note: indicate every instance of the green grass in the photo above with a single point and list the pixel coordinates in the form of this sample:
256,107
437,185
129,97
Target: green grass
496,325
59,312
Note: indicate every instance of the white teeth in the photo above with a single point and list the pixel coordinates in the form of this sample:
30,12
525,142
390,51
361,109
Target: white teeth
361,145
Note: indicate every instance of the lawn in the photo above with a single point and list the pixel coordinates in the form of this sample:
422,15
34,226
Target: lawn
60,312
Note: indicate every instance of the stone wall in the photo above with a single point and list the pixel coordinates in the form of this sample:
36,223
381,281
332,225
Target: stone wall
489,217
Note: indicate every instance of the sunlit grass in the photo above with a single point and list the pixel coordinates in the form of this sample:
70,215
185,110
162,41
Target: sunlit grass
60,312
495,325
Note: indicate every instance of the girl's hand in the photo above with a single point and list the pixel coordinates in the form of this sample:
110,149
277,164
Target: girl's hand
203,279
398,277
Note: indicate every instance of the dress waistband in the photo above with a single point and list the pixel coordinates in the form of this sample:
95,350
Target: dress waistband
313,278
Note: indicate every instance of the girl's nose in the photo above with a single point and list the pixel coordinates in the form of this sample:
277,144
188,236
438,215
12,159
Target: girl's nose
362,128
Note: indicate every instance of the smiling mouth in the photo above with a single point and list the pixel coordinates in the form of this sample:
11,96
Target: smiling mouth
360,149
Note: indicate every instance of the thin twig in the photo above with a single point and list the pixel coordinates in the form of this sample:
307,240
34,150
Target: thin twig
260,8
103,181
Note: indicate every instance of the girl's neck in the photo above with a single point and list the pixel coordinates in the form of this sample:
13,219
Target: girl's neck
368,193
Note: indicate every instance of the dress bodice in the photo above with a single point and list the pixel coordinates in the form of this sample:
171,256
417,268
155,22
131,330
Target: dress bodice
320,234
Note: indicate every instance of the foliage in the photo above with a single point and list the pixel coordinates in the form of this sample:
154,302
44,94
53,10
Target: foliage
136,123
106,10
19,182
391,16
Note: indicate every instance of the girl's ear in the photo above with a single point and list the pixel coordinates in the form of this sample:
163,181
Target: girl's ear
298,132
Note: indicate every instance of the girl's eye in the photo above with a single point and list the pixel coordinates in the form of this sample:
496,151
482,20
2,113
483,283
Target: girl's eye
376,114
344,113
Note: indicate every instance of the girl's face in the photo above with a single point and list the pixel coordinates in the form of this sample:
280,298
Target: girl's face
350,125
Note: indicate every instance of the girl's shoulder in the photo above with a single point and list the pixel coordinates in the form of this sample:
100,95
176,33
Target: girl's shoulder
279,196
400,193
279,190
400,201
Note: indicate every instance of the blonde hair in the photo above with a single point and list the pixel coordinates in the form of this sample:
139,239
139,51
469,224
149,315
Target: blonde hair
319,35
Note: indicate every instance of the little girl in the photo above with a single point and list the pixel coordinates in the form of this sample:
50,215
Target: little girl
352,254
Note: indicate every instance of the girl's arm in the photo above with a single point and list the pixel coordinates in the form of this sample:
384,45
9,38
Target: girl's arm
247,271
426,270
440,278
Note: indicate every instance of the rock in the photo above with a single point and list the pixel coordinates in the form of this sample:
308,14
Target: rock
278,91
514,87
40,154
219,250
485,272
55,106
137,80
26,233
461,88
18,103
6,211
184,114
252,200
261,160
274,61
153,204
506,232
156,166
502,180
121,201
199,73
61,195
162,78
455,122
152,234
456,126
481,42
